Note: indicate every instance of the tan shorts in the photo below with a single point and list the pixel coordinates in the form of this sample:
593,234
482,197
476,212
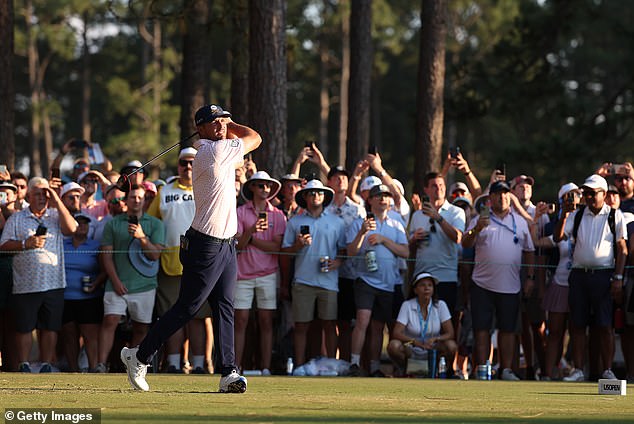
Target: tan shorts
262,288
167,294
139,305
304,297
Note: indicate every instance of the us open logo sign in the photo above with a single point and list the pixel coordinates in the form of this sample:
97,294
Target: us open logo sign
612,387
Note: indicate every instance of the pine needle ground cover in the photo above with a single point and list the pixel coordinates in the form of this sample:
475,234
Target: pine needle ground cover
185,399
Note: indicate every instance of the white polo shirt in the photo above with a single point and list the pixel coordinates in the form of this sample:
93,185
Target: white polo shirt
594,244
214,186
498,257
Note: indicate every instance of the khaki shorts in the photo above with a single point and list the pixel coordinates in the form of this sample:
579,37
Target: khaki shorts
139,305
262,288
304,298
167,294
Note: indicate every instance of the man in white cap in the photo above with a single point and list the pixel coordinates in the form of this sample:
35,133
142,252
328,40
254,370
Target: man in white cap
596,279
260,230
316,238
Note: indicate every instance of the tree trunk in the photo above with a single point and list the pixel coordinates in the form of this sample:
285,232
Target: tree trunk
196,64
431,83
7,90
324,97
267,82
239,106
360,80
47,143
344,86
33,60
85,84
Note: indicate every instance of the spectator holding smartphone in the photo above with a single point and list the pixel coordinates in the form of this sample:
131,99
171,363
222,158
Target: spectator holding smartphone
316,238
260,230
38,269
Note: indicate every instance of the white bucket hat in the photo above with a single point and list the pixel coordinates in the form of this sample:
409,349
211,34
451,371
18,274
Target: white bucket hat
261,176
314,185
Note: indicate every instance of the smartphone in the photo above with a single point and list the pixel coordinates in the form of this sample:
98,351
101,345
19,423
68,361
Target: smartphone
485,212
263,215
370,215
41,230
373,150
304,229
551,208
309,144
3,169
500,170
426,199
454,151
133,219
55,173
618,168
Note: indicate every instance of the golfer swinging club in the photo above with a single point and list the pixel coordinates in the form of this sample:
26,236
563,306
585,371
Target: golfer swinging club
207,250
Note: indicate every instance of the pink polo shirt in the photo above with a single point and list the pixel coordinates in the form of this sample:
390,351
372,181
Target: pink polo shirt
252,262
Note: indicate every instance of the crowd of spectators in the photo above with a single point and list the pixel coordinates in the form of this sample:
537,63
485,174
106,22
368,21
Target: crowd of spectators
334,263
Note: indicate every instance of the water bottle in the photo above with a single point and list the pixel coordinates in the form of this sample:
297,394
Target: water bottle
442,367
488,367
289,366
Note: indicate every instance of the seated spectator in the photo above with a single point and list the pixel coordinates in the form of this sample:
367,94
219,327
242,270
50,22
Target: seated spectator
423,323
83,300
38,279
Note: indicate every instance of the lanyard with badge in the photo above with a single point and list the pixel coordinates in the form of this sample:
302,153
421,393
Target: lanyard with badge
513,230
423,323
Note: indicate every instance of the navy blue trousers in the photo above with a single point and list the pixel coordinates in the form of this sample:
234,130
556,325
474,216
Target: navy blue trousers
209,274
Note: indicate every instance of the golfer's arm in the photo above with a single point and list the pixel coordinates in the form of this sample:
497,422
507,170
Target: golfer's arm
251,139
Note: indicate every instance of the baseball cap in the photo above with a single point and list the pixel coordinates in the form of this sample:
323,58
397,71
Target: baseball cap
149,186
83,175
380,189
132,165
499,186
568,187
520,179
187,152
458,186
596,182
82,215
612,189
369,182
209,113
338,170
461,199
70,187
290,177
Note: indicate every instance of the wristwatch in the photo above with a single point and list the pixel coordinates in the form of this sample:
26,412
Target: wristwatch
616,277
441,219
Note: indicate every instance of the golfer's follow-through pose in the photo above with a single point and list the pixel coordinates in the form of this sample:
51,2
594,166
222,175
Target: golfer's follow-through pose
207,251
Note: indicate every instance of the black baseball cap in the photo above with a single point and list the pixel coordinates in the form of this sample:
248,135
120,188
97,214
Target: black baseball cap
338,170
499,186
209,113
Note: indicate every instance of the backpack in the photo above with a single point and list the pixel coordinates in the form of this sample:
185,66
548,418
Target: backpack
611,224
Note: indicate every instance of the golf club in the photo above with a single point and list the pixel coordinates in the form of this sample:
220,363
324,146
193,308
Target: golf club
123,183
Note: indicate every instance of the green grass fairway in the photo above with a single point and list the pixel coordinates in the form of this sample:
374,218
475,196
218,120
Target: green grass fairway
177,399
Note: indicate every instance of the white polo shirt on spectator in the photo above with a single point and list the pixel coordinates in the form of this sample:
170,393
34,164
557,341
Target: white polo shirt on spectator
213,167
594,243
36,270
440,258
498,258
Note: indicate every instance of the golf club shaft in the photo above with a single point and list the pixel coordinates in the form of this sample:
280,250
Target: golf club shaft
161,154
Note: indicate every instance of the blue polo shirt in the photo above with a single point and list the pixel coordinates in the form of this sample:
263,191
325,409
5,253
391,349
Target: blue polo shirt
328,236
387,276
80,261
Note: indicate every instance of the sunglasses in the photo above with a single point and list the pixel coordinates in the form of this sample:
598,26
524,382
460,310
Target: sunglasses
89,181
263,185
117,200
186,162
622,177
315,193
591,193
432,226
